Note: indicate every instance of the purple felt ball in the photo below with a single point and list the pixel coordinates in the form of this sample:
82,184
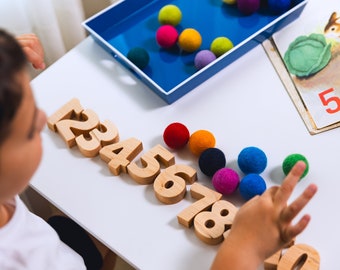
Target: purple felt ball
226,181
248,7
279,6
204,58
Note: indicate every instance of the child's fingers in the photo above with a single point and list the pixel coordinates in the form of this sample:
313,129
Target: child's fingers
292,231
295,207
35,58
288,185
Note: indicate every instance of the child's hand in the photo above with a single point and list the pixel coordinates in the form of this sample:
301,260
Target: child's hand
264,224
33,49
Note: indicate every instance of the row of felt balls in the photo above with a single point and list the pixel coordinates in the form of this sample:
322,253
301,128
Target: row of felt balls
252,161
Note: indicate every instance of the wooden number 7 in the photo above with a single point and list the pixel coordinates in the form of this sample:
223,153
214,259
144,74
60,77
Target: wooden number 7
206,198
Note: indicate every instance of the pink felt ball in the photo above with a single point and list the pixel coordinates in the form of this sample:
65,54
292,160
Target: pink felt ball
166,36
226,181
204,58
248,7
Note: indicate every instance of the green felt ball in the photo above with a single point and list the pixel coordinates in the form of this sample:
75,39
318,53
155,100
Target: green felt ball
290,161
170,14
221,45
139,57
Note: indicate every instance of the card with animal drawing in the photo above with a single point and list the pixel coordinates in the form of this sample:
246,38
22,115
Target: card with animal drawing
306,55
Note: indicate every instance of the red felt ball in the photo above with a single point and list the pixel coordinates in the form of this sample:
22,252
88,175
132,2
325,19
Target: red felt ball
166,36
176,135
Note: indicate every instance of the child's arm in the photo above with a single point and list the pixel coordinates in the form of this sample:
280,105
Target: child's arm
33,49
264,225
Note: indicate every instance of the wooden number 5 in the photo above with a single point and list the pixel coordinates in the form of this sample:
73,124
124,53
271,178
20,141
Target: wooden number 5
151,162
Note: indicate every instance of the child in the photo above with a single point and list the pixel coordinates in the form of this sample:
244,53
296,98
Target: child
263,225
26,241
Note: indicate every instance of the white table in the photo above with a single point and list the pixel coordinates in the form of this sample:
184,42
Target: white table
243,105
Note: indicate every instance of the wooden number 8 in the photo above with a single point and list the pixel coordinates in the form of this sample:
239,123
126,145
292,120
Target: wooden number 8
212,227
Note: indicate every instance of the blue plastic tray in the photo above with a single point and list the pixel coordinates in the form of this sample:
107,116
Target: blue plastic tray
171,73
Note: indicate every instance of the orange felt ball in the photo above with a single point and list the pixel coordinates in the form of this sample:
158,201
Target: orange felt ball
201,140
190,40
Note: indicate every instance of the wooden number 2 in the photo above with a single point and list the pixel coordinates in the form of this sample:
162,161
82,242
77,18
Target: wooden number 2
89,145
71,121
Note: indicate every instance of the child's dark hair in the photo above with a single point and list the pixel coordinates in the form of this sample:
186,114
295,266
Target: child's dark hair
12,62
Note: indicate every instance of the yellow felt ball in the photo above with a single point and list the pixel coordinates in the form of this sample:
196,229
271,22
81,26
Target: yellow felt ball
170,14
201,140
190,40
221,45
230,2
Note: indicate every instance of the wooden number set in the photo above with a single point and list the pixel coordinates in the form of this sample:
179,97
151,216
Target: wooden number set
210,216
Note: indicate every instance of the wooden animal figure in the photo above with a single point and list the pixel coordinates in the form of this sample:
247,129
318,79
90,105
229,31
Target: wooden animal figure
332,29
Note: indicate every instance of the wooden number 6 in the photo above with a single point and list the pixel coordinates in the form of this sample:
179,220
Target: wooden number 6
170,184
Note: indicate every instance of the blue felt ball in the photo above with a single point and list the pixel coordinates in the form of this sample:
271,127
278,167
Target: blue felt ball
252,160
279,6
211,160
252,185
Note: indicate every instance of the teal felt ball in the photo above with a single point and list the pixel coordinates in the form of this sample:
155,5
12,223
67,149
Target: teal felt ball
289,162
139,56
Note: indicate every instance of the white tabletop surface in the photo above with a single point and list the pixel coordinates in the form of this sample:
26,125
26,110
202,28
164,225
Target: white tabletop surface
243,105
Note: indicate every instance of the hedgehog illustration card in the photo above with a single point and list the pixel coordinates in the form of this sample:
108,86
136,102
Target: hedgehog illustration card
308,62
